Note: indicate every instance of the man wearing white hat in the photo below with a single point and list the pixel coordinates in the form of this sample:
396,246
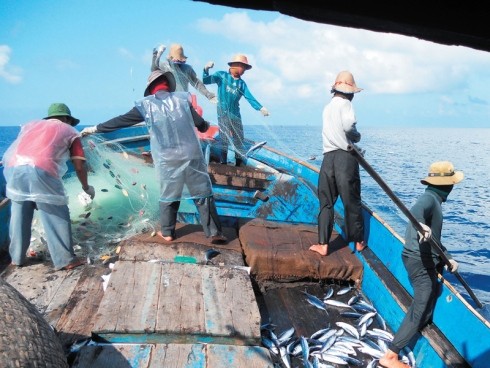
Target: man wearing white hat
422,262
339,173
231,87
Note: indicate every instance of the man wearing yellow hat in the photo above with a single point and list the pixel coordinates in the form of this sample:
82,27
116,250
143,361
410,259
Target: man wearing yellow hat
421,261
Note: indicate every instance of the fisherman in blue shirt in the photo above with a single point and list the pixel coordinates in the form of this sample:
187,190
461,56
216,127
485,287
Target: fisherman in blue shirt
231,87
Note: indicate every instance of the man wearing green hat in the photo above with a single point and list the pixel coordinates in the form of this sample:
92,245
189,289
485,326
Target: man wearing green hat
34,165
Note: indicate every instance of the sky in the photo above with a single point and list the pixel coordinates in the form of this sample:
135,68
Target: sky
95,56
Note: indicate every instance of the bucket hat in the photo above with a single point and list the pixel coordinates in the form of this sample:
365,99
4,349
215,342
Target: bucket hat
242,59
157,74
442,173
176,53
60,109
345,83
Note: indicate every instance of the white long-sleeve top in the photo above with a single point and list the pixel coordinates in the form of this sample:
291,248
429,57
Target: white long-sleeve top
339,125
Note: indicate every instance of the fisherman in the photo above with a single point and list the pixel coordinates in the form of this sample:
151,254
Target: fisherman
183,72
177,154
231,87
422,262
339,173
34,166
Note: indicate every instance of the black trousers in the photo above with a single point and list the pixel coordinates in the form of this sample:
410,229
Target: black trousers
339,176
208,216
426,288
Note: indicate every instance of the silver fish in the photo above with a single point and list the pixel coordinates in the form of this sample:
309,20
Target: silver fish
348,328
336,303
255,147
344,290
313,300
284,337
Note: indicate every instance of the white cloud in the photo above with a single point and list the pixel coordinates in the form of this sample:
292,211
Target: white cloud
304,57
9,73
125,53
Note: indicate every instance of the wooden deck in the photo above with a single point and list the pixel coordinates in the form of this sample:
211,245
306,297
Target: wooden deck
164,306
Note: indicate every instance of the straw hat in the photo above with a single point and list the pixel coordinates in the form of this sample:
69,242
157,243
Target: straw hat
157,74
176,53
442,173
60,109
345,83
242,59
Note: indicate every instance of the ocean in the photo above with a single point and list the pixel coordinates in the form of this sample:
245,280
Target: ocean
401,156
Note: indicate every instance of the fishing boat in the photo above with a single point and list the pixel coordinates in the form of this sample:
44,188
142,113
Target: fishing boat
269,202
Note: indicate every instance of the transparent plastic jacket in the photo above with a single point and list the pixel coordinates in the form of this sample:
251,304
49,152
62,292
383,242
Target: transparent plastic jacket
36,161
176,151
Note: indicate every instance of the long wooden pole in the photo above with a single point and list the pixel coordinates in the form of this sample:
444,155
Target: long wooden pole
433,242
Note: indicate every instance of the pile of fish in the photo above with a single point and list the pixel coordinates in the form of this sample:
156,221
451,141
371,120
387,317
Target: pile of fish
360,342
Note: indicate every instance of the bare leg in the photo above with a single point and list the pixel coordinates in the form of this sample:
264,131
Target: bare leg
322,249
390,360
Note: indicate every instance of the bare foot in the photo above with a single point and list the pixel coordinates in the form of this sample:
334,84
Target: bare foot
164,237
320,248
75,263
360,246
390,360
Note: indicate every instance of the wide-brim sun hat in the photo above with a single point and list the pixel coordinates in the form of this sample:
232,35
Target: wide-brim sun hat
442,173
345,83
157,74
60,109
176,53
242,59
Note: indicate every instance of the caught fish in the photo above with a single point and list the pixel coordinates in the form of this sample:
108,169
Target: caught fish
125,192
348,328
336,303
104,190
328,293
285,336
255,147
313,300
344,290
210,254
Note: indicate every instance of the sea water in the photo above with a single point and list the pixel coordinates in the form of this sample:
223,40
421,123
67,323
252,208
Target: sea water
402,156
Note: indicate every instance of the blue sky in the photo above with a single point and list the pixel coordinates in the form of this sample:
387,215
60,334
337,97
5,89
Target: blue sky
95,56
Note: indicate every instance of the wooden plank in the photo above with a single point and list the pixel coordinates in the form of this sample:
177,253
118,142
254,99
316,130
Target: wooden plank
130,302
172,356
225,356
120,356
44,287
180,305
230,304
178,356
77,318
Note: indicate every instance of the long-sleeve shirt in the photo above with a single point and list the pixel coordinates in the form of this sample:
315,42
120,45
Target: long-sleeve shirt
133,117
427,210
186,75
339,125
230,90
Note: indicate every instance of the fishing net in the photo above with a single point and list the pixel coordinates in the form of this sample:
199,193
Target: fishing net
125,203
